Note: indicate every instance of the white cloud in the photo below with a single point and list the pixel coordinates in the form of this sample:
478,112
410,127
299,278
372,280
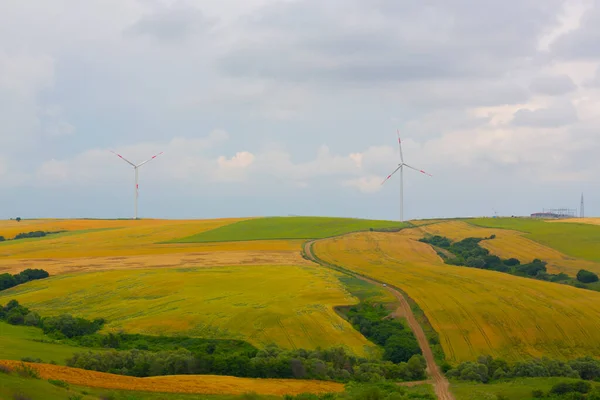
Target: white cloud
368,184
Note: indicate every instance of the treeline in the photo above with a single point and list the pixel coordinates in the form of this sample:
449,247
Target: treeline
8,280
271,362
367,391
469,253
29,235
488,369
398,342
63,326
578,390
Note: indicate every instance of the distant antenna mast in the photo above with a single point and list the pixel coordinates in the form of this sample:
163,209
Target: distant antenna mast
582,209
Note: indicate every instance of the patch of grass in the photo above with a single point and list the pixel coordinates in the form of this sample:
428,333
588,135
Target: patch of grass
513,389
366,291
59,383
287,228
573,239
23,341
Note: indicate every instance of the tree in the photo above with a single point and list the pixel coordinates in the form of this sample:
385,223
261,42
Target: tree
18,219
511,262
475,262
2,239
586,276
7,281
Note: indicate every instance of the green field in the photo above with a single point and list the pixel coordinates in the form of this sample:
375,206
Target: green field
575,240
20,341
514,389
287,228
290,306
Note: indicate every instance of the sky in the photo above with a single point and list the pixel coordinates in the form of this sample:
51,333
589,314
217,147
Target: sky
291,107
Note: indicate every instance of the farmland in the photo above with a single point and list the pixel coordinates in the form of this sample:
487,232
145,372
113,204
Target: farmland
289,306
509,243
287,228
573,239
207,384
475,311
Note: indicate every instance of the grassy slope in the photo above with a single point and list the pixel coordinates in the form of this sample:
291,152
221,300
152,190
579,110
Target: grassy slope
287,228
576,240
17,342
475,311
515,389
290,306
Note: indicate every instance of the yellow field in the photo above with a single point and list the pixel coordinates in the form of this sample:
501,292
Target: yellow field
289,306
591,221
508,244
92,245
201,384
475,311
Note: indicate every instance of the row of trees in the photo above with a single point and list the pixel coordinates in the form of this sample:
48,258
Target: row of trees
488,369
398,342
468,252
63,326
28,235
8,280
271,362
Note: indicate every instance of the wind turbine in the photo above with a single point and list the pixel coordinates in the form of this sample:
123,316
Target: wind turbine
401,169
135,168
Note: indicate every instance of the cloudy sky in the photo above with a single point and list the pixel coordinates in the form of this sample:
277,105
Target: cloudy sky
277,107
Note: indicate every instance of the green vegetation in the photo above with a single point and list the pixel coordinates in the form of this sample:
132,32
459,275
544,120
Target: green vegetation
397,340
8,280
513,389
288,228
576,240
19,342
271,362
373,391
365,291
469,253
488,369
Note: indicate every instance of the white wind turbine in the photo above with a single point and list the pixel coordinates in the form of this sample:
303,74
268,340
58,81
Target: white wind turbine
135,168
401,168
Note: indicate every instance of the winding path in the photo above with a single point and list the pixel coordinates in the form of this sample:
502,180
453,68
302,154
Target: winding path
440,383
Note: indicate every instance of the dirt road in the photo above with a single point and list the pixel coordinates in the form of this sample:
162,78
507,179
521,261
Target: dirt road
440,383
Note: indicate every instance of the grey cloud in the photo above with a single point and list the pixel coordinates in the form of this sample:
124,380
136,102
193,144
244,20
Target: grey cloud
584,42
553,85
171,24
553,117
385,40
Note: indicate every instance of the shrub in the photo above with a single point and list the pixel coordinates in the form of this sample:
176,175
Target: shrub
26,371
537,394
59,383
21,396
75,397
5,369
585,276
32,360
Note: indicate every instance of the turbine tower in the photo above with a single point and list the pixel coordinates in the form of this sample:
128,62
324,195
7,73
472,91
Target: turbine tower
401,169
136,168
581,210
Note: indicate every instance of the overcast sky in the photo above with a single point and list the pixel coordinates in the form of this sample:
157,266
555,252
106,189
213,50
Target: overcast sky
277,107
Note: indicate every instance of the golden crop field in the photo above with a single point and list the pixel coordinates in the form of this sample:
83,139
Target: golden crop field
125,244
287,305
475,311
507,244
591,221
200,384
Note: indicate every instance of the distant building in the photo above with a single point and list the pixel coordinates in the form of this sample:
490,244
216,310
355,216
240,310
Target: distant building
555,213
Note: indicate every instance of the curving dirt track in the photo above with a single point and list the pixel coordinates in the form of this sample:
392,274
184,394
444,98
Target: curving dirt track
440,383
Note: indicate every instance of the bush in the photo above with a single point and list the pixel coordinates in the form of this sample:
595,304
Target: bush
537,394
32,360
5,369
586,276
26,371
59,383
21,396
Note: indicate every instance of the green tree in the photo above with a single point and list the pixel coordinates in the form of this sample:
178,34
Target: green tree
586,276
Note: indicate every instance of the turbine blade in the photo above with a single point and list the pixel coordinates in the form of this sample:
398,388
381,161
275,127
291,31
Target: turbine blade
123,158
418,170
390,175
400,145
150,159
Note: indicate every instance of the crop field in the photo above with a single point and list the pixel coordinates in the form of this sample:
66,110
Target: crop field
289,306
206,384
591,221
475,311
572,239
23,341
509,243
287,228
